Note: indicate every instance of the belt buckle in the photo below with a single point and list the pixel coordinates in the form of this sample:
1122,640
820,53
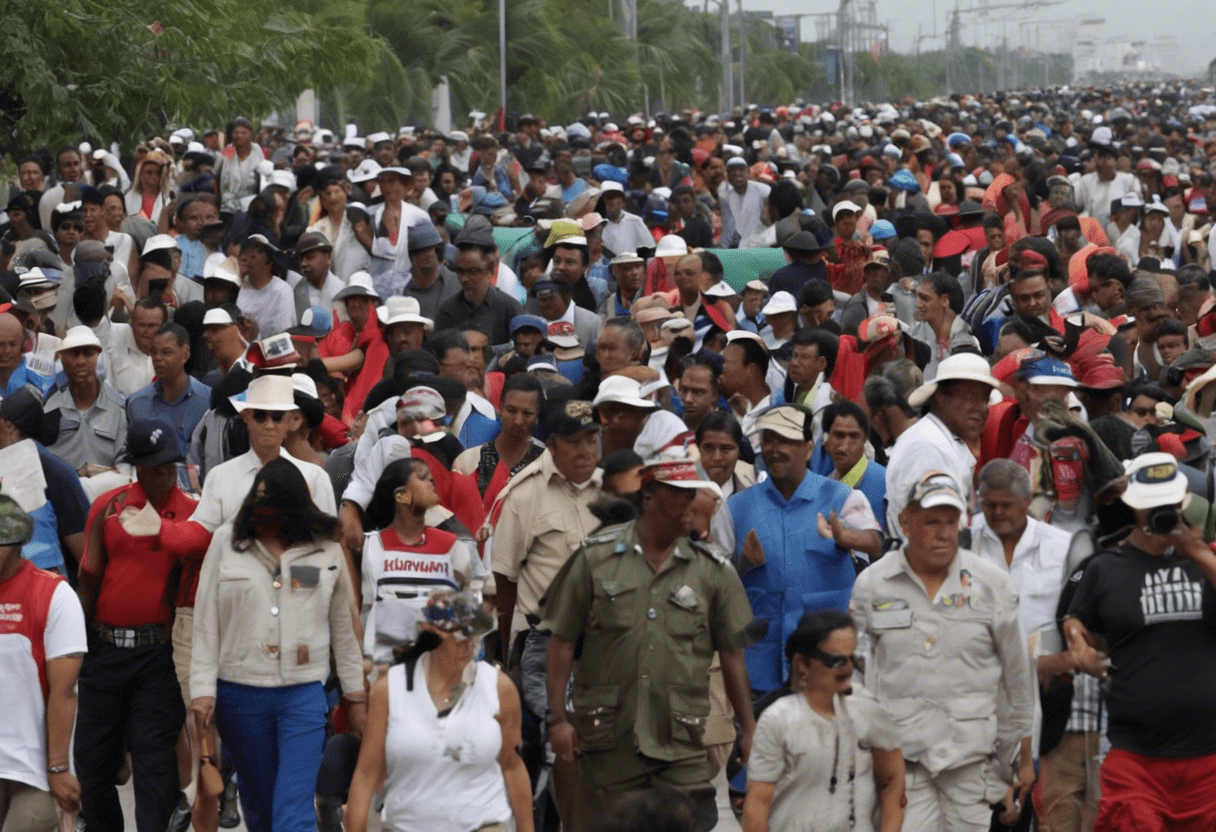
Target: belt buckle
125,638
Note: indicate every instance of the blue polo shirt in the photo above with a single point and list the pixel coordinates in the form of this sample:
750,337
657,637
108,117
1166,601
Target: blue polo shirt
62,515
23,375
183,415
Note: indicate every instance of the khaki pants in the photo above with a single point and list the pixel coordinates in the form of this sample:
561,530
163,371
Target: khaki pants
1069,797
607,776
955,800
183,638
24,808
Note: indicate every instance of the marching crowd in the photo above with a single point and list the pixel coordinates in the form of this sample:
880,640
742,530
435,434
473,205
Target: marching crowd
805,469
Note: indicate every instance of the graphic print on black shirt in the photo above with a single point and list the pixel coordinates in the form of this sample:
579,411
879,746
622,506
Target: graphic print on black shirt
1158,615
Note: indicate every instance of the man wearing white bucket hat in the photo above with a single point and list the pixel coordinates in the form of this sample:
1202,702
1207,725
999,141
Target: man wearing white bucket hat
957,406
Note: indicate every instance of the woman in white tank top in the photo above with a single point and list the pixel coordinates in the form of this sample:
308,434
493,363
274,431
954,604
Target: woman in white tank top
442,733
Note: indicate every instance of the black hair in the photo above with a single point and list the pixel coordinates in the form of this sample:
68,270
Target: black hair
382,508
845,407
814,292
753,353
712,265
944,284
700,359
881,392
680,190
178,332
151,303
620,461
59,217
1106,267
442,342
826,343
523,383
301,521
89,300
813,628
1171,326
785,199
724,422
414,361
1068,223
994,221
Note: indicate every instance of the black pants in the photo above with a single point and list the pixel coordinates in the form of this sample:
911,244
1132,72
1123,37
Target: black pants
129,700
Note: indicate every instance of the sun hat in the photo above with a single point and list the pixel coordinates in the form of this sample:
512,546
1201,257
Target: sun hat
403,309
77,337
1154,480
961,367
789,421
622,390
780,303
268,393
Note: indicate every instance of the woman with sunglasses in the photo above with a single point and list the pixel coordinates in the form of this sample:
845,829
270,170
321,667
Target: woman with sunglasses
274,600
825,757
442,733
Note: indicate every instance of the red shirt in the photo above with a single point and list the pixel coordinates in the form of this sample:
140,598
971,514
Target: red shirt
132,592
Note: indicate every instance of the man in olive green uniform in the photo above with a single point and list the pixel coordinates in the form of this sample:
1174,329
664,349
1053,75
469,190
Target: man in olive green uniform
652,607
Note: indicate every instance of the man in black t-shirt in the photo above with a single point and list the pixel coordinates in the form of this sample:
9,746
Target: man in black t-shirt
1153,601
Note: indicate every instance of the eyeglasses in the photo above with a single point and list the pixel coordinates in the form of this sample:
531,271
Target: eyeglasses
468,272
276,416
834,660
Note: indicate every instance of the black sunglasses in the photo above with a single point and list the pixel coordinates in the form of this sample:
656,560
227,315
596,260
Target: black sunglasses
834,660
276,416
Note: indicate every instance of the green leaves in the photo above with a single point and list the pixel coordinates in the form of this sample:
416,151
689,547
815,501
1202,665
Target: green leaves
98,70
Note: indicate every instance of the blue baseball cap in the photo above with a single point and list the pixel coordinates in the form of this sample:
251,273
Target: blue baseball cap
957,139
1047,371
883,230
534,321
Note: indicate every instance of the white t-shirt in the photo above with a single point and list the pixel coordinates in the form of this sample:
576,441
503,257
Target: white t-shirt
273,306
23,752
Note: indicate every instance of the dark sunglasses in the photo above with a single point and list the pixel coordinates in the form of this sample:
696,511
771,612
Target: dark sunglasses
834,660
276,416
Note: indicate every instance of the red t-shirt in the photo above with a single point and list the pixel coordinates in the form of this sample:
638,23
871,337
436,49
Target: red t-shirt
132,590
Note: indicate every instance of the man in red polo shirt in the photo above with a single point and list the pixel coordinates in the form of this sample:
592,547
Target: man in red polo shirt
136,537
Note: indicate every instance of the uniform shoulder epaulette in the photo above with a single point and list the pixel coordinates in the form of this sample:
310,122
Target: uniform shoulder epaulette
606,534
713,550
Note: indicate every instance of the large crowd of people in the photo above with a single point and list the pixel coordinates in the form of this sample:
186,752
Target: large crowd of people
805,469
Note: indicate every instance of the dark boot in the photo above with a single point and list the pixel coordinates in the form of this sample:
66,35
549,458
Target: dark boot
329,814
179,821
230,813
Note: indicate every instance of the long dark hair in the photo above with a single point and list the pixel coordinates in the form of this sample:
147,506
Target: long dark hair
286,491
383,507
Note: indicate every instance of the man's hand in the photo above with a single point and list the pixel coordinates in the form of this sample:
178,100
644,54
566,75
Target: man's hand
832,527
356,712
203,708
753,552
564,740
65,788
352,527
1092,661
1024,783
1188,541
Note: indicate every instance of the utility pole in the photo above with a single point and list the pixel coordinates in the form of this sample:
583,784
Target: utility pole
841,28
502,56
728,78
742,50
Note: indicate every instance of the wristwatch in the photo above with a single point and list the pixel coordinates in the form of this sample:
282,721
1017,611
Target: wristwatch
61,769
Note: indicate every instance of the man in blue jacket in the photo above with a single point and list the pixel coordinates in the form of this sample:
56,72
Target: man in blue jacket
792,535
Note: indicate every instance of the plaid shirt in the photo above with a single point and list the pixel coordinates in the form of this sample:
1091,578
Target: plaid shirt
1086,704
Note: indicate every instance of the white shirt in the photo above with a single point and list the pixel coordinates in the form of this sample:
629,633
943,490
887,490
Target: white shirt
130,369
23,751
508,281
1095,196
273,307
746,208
228,484
748,422
1037,569
627,233
926,446
323,297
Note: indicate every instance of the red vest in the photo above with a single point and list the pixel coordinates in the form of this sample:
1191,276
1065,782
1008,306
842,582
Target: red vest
25,603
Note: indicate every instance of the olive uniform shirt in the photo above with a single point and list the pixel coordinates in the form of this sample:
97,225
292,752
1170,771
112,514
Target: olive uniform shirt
642,679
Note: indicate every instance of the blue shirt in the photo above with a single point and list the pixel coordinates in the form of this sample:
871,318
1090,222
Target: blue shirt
194,257
23,375
183,415
63,514
802,572
478,429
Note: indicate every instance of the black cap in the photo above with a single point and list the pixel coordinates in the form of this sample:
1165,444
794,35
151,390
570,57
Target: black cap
24,409
151,442
570,417
802,241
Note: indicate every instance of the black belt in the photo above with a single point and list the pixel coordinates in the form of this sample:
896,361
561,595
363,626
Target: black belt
131,637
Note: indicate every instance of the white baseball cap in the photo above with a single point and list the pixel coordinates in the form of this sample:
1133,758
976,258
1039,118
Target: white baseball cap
1153,480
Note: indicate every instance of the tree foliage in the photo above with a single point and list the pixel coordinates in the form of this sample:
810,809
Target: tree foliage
117,69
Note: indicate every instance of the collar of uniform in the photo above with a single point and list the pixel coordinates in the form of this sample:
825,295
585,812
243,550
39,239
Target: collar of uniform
899,563
940,425
548,469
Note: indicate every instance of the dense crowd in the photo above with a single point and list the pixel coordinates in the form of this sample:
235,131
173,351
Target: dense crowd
815,468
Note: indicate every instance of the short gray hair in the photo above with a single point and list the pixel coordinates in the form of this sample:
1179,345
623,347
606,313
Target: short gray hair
1144,293
1006,475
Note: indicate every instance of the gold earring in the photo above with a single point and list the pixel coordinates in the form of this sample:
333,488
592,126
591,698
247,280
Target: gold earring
404,499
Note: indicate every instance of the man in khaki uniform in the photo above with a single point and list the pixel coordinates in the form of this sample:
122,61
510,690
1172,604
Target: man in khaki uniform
544,517
948,662
651,607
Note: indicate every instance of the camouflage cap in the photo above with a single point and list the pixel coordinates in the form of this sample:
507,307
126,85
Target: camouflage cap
16,527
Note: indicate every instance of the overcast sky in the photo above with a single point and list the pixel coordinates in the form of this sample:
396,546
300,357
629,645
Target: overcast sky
1193,22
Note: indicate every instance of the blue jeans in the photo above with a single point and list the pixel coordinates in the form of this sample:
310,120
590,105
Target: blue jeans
276,736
